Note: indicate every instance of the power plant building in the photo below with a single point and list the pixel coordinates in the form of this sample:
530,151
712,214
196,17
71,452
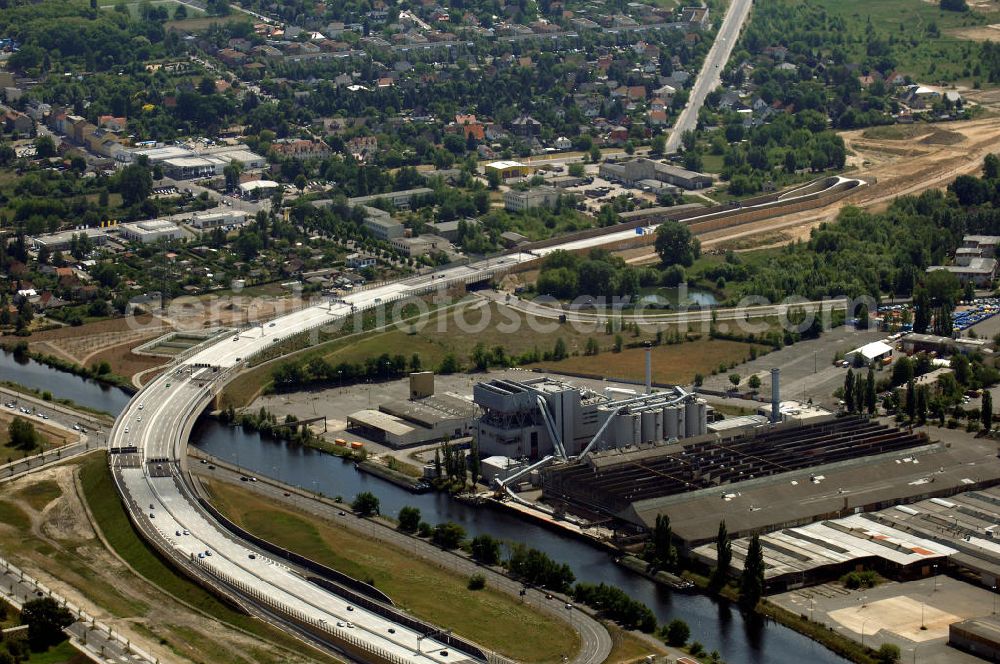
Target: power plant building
544,416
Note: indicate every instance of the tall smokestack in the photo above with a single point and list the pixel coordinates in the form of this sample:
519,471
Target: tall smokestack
775,396
649,369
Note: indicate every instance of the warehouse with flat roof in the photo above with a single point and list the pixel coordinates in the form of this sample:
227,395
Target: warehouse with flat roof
827,549
148,232
62,240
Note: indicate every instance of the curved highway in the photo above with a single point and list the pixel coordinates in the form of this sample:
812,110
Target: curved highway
148,444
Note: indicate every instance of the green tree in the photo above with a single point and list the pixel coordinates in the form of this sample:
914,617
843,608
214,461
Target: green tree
752,579
664,554
576,169
409,519
723,556
45,147
493,179
677,633
22,434
366,503
888,653
754,382
46,621
658,145
734,378
849,391
870,392
231,172
986,413
135,184
449,365
911,400
485,549
675,244
448,535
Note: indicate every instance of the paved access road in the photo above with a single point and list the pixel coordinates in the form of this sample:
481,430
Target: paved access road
99,642
709,77
90,429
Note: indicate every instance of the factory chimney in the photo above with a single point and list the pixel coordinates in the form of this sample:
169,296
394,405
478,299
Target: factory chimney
649,369
775,396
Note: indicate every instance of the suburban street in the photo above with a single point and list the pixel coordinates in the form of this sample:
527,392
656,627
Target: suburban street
709,77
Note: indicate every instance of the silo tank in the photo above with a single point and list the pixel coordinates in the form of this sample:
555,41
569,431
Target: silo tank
691,418
670,422
648,426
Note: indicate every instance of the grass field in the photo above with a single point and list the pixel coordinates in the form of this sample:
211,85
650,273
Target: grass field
453,332
676,364
896,132
133,7
415,585
433,342
926,58
39,494
64,653
13,516
204,22
627,648
102,497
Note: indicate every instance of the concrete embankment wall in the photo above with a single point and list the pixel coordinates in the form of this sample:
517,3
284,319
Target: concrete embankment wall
705,220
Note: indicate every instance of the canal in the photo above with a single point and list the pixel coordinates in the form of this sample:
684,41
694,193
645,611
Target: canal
715,624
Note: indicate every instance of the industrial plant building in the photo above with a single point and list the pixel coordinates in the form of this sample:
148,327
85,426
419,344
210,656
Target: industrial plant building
770,477
635,171
424,417
544,416
154,230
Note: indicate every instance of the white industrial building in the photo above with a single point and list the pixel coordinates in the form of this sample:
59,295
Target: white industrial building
536,197
183,163
208,220
544,416
876,351
148,232
62,240
258,188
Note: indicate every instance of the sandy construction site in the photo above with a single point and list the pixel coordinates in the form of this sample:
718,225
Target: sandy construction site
921,157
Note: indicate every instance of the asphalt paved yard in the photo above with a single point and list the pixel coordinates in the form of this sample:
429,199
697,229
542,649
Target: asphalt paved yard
807,370
894,612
